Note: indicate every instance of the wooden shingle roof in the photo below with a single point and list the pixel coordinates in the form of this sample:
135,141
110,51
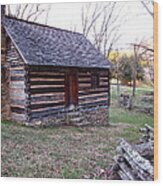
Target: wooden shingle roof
44,45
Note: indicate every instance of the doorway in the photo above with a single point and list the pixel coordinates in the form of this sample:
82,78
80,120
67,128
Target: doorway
71,89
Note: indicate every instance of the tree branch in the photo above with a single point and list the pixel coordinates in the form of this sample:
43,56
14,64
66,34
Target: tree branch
33,13
147,8
23,11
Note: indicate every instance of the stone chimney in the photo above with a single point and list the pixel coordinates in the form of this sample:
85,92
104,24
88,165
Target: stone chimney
3,10
3,34
5,106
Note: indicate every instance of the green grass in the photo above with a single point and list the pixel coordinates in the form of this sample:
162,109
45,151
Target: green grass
133,119
68,152
127,89
119,115
73,173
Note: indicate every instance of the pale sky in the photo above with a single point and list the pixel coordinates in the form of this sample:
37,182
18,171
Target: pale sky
138,24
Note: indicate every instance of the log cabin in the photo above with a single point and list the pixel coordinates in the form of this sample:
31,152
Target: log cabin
55,76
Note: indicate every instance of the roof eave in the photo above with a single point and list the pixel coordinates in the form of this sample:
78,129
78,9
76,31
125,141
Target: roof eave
67,66
16,46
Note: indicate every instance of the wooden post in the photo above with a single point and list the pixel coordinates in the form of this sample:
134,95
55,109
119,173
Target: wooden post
109,88
134,73
118,85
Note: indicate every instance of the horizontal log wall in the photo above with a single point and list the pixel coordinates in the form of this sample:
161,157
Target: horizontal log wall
47,91
90,96
18,95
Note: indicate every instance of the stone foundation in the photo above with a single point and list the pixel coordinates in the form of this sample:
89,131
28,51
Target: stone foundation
98,116
77,117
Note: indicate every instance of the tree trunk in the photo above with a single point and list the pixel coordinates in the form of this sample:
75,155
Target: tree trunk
134,87
118,87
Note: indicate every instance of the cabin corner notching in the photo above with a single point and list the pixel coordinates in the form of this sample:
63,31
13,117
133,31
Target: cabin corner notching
55,81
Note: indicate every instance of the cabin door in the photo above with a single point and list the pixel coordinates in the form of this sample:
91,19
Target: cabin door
71,89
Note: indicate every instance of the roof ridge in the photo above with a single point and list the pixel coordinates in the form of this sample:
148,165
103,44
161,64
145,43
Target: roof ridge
42,25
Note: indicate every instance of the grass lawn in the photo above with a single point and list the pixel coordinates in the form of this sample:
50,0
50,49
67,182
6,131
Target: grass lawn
67,151
63,152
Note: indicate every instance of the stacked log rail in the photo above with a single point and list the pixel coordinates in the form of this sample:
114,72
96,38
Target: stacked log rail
135,162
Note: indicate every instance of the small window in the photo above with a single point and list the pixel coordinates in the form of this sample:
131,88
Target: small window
95,81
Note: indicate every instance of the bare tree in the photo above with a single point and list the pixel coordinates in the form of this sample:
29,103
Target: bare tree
142,52
29,12
87,22
102,23
148,52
